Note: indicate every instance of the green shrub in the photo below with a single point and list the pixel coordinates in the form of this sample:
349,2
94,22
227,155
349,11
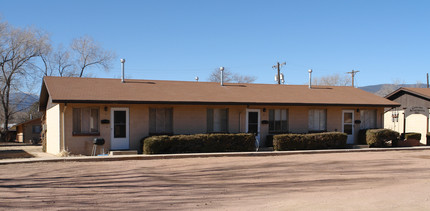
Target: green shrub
416,136
380,137
327,140
199,143
362,136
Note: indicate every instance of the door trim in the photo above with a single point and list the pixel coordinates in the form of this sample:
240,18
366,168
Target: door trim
259,123
352,125
127,130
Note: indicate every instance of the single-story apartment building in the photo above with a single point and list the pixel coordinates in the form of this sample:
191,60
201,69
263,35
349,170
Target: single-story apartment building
79,109
413,113
29,130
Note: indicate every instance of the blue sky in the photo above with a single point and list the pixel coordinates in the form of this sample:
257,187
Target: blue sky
178,40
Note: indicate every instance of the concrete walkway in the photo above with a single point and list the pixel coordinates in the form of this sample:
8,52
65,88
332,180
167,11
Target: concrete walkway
45,157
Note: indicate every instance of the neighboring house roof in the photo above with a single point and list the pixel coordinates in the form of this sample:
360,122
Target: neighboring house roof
98,90
423,93
29,121
10,126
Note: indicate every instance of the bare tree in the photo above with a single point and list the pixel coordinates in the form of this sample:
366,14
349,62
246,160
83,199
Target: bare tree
62,62
89,53
18,50
230,77
332,80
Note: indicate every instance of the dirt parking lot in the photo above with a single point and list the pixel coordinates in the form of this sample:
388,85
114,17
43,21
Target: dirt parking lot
398,180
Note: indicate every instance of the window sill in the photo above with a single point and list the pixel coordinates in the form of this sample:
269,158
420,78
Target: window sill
86,134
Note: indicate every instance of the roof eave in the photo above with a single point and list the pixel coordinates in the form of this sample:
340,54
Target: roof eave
222,103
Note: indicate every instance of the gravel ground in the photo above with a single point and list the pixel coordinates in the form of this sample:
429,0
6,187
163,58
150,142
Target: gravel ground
397,180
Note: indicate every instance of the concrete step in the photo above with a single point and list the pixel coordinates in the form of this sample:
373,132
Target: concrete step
264,149
123,152
359,146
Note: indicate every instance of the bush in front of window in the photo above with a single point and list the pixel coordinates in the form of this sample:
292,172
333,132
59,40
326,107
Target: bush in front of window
199,143
381,137
327,140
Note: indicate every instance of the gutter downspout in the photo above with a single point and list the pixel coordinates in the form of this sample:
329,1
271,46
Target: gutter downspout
63,139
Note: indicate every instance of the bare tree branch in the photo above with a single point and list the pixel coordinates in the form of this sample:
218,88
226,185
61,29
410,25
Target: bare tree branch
230,77
89,53
332,80
18,49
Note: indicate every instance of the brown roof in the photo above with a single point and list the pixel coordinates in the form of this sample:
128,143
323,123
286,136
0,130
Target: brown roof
420,92
98,90
30,121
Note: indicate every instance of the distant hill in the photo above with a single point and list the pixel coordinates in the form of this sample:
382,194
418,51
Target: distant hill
22,100
384,89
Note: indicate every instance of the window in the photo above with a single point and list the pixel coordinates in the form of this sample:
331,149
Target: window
36,129
278,121
368,119
217,120
85,120
160,120
317,120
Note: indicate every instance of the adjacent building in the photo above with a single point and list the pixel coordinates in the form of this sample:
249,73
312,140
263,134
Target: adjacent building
413,113
29,131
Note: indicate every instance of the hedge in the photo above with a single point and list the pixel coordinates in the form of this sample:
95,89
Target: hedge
362,136
199,143
380,137
327,140
416,136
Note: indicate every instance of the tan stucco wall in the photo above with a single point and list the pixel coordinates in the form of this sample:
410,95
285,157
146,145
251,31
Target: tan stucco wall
416,123
187,119
53,130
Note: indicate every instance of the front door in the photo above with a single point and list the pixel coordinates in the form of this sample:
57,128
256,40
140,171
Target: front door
253,123
119,129
348,125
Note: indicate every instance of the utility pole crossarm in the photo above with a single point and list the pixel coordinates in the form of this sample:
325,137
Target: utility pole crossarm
278,67
353,72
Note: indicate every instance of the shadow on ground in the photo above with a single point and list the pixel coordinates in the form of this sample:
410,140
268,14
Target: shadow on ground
12,154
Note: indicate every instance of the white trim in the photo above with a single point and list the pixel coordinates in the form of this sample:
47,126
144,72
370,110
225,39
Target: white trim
350,139
126,143
259,124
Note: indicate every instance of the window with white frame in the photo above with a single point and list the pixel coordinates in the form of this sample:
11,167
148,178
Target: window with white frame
368,118
317,120
161,120
278,121
217,120
85,120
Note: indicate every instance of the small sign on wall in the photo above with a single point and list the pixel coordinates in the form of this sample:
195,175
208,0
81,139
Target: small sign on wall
416,110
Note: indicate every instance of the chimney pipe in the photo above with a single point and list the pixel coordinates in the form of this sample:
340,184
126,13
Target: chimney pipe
122,68
222,75
310,78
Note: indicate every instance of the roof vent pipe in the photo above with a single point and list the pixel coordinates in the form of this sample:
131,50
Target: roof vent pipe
310,78
122,68
222,75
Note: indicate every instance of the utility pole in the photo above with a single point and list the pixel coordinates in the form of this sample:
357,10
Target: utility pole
278,66
353,72
427,80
